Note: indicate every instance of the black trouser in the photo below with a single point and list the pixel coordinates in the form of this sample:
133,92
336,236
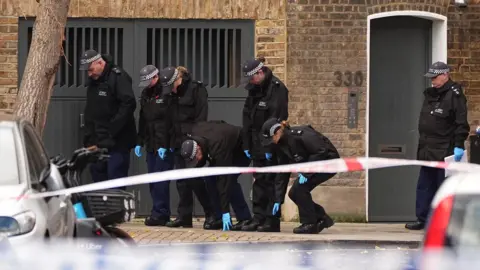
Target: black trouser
263,193
429,181
186,188
309,211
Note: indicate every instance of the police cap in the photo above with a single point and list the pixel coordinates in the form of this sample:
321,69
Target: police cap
188,151
147,73
436,69
167,77
87,58
251,67
268,130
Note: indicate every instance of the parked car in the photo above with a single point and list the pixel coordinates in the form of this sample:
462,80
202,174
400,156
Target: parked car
25,169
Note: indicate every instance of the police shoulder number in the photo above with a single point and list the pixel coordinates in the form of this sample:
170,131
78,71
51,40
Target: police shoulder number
457,89
297,132
116,70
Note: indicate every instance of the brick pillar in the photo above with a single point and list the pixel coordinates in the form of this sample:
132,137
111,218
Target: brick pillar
8,62
271,39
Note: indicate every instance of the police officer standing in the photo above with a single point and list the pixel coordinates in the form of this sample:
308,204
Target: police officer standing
267,97
220,144
297,145
109,114
154,134
443,129
189,105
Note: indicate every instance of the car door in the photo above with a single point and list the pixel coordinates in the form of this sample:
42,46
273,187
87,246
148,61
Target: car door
57,215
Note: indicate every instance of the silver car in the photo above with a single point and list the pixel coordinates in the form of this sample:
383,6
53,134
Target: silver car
25,168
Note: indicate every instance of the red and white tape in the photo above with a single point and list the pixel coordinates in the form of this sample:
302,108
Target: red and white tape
327,166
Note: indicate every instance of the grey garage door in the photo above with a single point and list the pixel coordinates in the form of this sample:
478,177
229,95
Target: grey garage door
213,50
399,56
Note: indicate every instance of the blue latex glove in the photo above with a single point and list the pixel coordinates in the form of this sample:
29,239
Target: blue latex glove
137,151
161,152
268,156
302,179
227,221
458,153
172,150
276,207
247,153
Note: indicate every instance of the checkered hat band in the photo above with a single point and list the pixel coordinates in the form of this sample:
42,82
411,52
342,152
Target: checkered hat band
90,60
149,76
438,71
174,77
194,151
255,70
272,129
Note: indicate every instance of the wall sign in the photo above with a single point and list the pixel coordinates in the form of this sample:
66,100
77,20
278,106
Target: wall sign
348,78
352,118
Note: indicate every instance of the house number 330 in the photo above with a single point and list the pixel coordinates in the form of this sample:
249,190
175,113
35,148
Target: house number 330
348,78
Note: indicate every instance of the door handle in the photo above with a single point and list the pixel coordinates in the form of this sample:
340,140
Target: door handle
82,120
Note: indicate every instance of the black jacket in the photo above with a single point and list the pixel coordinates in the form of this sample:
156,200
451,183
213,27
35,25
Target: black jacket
443,123
188,106
298,145
109,119
220,143
154,124
270,99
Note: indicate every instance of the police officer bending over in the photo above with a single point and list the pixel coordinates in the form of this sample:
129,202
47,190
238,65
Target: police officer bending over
297,145
267,97
109,119
220,144
154,134
189,105
443,129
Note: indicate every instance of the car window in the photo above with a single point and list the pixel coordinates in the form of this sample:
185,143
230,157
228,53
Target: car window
38,146
464,227
8,156
34,165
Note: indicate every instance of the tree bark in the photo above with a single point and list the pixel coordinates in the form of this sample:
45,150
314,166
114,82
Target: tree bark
43,61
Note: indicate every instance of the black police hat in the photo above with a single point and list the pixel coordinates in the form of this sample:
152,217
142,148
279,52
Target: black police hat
87,58
189,153
268,130
147,73
250,68
436,69
167,77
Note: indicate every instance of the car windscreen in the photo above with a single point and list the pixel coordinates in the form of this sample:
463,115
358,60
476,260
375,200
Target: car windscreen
8,158
464,227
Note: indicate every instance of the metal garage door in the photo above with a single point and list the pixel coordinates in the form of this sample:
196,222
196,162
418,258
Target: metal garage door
213,51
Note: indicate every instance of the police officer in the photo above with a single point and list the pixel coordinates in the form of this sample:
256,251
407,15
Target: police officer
109,119
297,145
443,129
220,144
267,97
189,105
154,134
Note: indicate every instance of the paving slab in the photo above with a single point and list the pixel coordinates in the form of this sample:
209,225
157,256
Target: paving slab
341,233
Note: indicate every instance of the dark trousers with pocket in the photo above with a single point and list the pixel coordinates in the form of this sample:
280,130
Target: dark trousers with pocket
429,181
237,198
263,194
160,191
309,211
186,188
116,167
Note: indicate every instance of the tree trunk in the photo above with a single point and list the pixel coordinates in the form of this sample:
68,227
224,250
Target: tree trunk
42,63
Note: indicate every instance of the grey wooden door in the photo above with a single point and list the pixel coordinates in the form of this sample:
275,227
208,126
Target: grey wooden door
399,56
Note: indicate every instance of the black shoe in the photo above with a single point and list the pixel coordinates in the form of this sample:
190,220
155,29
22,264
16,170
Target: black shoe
325,223
156,221
417,225
251,226
306,229
179,223
271,225
212,224
239,225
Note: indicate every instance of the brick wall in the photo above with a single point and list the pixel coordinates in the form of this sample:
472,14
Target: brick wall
8,62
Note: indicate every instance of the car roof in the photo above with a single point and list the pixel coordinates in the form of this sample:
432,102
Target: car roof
461,183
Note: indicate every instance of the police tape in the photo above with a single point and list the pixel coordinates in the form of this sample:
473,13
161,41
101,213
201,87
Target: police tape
326,166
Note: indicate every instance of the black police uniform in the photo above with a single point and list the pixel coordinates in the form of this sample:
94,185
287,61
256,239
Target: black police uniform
189,105
154,134
109,117
270,99
221,145
442,126
297,145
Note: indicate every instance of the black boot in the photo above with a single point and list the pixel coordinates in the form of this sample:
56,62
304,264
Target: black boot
251,226
179,223
212,224
417,225
156,221
306,229
272,225
325,223
238,226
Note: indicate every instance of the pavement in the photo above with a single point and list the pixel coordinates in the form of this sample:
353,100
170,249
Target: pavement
362,234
